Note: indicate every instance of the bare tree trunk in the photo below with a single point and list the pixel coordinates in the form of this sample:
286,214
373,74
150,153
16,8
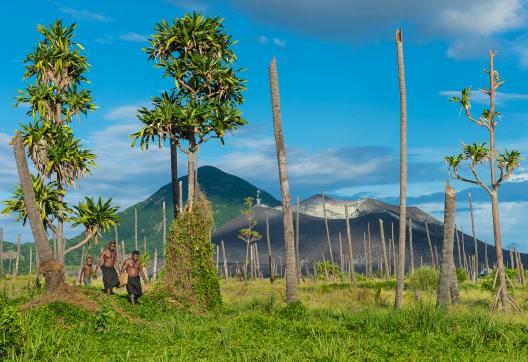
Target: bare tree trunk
60,224
272,276
123,252
475,245
174,180
411,249
433,263
394,263
17,262
136,229
464,252
165,226
486,262
341,260
116,238
155,266
384,248
460,264
53,271
365,254
371,265
226,276
327,231
291,279
298,256
403,172
190,180
446,268
350,251
30,260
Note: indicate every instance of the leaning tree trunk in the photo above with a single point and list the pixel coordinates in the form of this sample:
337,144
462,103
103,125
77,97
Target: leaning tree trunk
327,231
446,268
475,245
51,268
174,177
291,277
403,172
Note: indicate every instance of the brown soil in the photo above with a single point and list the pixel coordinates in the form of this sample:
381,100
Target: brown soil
66,294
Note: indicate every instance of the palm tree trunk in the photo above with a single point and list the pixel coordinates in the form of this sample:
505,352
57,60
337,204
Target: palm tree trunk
174,178
403,172
52,270
327,231
486,262
411,248
226,276
475,245
350,251
291,278
433,263
60,226
446,269
272,276
17,262
458,246
465,266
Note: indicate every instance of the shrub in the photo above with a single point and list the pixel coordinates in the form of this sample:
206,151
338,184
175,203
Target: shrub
295,310
11,336
461,275
104,318
327,267
190,275
425,279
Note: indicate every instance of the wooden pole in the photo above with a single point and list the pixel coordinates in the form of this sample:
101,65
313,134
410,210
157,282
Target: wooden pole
350,251
365,254
226,276
136,229
384,248
327,231
371,265
257,260
460,264
394,260
411,251
272,274
464,252
486,262
155,266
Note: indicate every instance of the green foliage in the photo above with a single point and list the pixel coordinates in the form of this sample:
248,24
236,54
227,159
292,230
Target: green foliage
248,235
11,335
190,272
424,279
487,282
294,311
327,267
94,216
104,319
461,275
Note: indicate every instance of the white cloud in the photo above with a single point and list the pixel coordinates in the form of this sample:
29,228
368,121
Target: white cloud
459,23
82,14
133,37
278,42
125,112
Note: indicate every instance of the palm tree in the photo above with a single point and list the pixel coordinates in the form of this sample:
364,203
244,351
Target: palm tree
197,54
95,217
403,172
478,154
291,276
56,66
447,267
52,270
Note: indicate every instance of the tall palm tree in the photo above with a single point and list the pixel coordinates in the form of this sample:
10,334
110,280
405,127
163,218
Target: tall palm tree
52,270
403,172
447,267
291,276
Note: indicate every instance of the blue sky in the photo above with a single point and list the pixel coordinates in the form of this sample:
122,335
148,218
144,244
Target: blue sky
339,93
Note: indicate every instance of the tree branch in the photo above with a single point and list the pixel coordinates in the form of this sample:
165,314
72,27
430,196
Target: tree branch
88,237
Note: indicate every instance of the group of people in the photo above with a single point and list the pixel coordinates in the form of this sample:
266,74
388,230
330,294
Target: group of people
108,263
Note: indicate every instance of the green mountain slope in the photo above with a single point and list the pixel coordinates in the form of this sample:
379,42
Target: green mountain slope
226,192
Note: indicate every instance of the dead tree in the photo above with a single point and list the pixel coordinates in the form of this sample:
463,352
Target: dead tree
384,248
350,251
433,264
327,231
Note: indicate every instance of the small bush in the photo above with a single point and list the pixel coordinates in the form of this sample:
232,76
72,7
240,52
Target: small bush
425,279
461,275
11,336
103,319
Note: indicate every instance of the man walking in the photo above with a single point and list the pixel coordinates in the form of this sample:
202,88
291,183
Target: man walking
132,268
108,259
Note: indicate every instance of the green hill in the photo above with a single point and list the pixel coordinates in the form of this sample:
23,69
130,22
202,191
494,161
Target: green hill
226,192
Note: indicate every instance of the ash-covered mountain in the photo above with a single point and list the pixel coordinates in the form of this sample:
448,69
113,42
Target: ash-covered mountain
364,215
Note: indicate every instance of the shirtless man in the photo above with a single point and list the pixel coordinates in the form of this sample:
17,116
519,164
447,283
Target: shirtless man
108,258
85,276
132,268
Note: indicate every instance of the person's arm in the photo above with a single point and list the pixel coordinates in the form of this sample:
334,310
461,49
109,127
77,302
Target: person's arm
100,260
123,268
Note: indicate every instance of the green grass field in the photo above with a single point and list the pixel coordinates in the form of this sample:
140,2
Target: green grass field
336,322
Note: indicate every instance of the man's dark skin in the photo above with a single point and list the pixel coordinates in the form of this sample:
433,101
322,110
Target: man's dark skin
132,268
86,272
108,258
